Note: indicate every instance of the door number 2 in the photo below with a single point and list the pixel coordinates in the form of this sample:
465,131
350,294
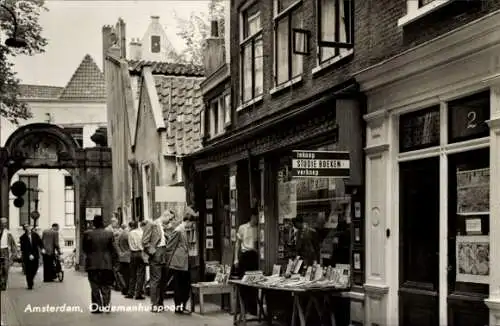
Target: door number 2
471,120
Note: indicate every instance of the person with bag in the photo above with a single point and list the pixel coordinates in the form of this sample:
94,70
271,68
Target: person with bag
154,244
100,257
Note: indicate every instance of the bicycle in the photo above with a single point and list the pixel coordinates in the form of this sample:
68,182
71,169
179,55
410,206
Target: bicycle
70,260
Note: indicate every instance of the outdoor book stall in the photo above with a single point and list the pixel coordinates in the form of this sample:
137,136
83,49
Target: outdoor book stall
311,288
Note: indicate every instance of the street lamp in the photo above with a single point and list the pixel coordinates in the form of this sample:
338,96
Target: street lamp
14,41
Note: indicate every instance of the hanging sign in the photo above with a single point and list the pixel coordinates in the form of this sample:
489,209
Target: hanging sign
310,164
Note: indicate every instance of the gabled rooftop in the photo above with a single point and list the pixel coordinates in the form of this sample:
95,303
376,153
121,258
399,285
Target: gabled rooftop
87,82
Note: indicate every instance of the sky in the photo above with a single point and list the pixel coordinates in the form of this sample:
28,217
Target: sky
73,29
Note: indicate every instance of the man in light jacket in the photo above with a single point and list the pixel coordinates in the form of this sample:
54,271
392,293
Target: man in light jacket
8,250
178,246
154,244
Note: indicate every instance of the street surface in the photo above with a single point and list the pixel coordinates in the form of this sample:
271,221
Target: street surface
21,307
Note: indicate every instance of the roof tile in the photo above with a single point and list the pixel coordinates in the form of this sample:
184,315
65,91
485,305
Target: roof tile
86,83
167,68
182,102
39,91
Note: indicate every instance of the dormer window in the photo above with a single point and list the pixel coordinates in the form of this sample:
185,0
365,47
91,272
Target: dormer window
155,44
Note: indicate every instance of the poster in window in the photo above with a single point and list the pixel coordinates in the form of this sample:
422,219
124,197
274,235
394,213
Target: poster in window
209,203
473,191
287,200
90,212
233,235
473,259
210,219
357,234
262,236
210,243
233,220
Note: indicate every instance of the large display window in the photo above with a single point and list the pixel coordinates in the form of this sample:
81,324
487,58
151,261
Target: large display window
325,207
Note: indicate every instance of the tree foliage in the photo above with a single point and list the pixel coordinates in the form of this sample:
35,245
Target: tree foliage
195,30
27,14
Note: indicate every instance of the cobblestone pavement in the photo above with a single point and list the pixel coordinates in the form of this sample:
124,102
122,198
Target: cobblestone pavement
19,306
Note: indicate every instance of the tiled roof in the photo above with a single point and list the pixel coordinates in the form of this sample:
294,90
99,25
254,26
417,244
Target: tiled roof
182,102
39,91
87,83
167,68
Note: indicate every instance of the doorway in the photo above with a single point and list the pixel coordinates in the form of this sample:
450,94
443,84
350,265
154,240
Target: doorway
419,242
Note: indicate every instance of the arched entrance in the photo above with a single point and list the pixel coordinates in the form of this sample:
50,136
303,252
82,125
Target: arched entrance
47,146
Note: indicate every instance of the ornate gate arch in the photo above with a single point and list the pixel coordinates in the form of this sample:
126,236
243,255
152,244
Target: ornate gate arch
48,146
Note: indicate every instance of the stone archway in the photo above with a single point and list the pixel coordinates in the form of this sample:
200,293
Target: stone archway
47,146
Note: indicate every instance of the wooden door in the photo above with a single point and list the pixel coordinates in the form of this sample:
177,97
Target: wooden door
419,243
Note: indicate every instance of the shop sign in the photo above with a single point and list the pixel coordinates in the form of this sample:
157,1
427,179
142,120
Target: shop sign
311,164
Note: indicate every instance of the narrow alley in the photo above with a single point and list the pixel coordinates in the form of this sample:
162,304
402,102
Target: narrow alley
67,303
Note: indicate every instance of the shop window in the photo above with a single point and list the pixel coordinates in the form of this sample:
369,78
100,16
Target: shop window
252,76
420,129
335,28
325,206
467,117
469,216
288,16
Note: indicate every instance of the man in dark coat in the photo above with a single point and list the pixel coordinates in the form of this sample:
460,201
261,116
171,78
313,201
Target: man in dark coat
101,256
50,239
31,245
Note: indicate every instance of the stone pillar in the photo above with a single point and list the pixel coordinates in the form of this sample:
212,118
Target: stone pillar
493,302
4,183
381,251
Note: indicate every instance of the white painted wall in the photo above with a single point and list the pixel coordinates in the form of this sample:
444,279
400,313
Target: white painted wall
89,116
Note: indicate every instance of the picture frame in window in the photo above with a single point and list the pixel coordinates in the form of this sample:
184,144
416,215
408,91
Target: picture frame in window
210,243
210,231
210,219
357,233
209,203
357,260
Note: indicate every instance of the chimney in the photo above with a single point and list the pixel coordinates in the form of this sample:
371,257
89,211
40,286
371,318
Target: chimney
135,49
214,53
155,19
122,43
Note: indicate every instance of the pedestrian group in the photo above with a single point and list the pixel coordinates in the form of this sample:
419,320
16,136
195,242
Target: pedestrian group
118,256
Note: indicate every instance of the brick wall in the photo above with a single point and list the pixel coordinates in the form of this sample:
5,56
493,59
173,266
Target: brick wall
377,37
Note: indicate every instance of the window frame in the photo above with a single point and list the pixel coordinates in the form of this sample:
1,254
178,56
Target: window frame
244,41
66,201
279,16
415,11
223,104
338,46
159,43
27,202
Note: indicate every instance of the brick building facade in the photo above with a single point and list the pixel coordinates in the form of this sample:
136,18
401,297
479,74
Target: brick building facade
318,104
